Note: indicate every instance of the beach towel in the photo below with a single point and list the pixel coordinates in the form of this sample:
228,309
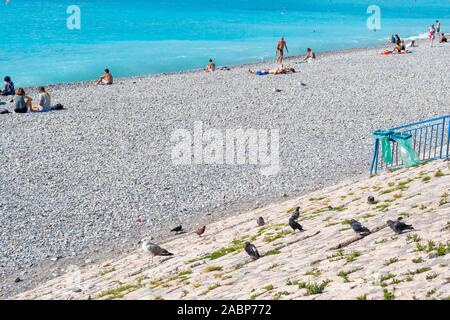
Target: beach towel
261,73
388,52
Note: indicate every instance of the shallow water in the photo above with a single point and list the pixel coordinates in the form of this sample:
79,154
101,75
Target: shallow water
137,37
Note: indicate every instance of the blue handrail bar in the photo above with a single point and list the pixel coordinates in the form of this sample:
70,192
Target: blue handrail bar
430,140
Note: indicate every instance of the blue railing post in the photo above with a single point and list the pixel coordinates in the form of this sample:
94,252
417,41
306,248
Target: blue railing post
373,167
442,137
448,141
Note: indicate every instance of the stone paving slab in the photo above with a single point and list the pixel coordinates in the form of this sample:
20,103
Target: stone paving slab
383,265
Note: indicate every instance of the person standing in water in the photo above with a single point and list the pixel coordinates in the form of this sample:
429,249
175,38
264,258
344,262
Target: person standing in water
280,50
438,26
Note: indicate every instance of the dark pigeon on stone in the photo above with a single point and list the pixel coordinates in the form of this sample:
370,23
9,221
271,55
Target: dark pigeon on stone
260,221
295,225
177,229
296,214
251,250
398,226
359,228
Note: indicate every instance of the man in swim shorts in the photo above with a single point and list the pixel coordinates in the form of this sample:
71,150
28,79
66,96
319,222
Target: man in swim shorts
106,78
280,50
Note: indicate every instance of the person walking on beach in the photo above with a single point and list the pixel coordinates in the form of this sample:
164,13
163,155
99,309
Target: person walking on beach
280,50
431,34
106,78
438,26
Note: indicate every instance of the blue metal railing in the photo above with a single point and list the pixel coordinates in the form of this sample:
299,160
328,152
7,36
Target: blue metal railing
430,140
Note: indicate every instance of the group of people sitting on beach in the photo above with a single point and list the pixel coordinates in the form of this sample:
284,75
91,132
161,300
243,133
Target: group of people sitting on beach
22,102
399,44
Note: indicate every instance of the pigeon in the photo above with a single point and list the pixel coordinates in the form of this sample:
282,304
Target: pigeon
251,251
296,214
260,221
295,225
177,229
399,226
359,228
370,200
201,231
154,249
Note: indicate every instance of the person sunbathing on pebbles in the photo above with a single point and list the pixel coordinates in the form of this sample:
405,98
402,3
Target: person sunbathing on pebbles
279,70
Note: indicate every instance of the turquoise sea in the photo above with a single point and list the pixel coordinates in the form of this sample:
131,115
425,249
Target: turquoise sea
137,37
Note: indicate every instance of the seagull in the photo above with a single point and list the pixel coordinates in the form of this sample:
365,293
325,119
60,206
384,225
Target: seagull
154,249
260,221
370,200
251,251
399,226
201,231
296,214
177,229
295,225
359,228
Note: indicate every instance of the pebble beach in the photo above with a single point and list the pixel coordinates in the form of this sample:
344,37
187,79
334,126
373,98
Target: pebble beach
86,183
